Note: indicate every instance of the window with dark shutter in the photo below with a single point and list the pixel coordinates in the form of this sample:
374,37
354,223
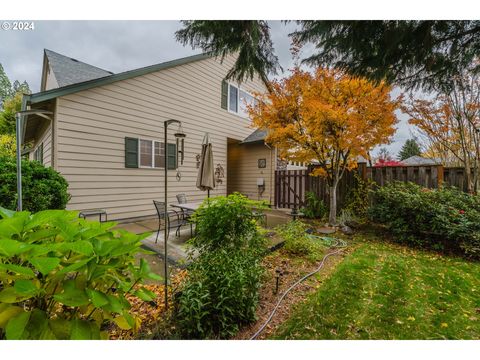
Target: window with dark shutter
131,152
172,156
224,95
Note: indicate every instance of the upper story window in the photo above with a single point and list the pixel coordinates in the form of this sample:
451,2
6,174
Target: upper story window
238,100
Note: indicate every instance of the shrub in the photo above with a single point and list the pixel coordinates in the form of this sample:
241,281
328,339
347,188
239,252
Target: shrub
43,187
227,222
442,219
297,241
221,290
358,198
8,145
64,278
314,206
221,294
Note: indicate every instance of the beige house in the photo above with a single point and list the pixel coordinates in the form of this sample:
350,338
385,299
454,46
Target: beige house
107,129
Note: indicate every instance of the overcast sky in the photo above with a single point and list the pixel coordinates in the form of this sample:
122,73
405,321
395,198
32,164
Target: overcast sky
119,46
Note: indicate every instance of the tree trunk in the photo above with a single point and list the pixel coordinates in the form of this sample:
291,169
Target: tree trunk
468,177
332,216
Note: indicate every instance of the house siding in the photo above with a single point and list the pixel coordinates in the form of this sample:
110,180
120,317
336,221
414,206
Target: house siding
243,177
46,139
91,126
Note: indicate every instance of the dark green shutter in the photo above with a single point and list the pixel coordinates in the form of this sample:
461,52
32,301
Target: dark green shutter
172,156
224,95
40,153
131,152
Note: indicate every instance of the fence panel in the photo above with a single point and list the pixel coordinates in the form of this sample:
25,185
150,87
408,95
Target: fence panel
291,185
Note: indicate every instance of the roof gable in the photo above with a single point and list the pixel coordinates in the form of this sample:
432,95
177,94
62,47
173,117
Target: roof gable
88,84
68,71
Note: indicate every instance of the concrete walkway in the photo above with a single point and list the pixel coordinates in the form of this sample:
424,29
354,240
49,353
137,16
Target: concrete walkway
178,246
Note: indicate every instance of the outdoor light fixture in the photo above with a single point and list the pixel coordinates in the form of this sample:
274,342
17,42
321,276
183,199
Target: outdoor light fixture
179,136
19,126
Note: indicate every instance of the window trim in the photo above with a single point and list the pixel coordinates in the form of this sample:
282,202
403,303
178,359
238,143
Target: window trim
238,100
153,141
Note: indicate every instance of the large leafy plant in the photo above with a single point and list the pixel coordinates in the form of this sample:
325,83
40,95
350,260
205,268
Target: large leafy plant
314,206
66,278
221,290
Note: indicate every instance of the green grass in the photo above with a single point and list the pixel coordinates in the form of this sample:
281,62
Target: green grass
384,291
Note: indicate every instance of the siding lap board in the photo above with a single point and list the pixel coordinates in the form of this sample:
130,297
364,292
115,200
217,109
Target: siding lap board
92,125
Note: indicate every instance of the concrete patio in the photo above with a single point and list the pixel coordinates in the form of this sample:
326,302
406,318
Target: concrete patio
177,245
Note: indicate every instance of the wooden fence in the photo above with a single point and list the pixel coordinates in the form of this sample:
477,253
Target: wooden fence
291,185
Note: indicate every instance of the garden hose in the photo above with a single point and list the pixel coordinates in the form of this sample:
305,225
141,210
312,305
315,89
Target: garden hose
331,242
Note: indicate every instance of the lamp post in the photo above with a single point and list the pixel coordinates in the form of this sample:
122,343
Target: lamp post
18,132
178,135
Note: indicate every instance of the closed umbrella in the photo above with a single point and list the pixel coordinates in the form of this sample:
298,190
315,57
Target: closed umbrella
206,177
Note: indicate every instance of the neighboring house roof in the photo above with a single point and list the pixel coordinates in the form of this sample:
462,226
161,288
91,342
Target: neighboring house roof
70,71
418,160
258,135
73,88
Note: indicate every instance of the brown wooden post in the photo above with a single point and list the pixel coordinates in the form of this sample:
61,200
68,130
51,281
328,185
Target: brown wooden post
439,176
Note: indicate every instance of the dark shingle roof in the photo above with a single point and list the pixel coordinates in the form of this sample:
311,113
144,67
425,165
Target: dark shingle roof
109,79
70,71
257,136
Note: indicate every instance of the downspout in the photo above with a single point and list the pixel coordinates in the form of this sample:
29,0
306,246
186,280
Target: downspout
20,127
25,102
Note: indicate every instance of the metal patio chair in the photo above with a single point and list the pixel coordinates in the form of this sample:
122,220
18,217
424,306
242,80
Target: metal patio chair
182,199
178,219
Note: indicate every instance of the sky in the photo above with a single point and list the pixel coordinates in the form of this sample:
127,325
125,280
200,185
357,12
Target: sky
124,45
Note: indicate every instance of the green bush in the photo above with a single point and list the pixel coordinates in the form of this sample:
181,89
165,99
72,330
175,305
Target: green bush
66,278
357,200
43,187
314,206
221,290
297,241
443,219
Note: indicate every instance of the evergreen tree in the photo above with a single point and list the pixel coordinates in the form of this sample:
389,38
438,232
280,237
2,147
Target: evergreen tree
411,53
10,101
249,38
5,86
409,149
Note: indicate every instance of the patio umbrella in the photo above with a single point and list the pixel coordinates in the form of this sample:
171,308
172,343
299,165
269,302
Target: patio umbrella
205,178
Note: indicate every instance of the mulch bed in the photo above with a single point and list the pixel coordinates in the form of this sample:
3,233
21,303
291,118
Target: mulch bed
153,317
151,314
292,269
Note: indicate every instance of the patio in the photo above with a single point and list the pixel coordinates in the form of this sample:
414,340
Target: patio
177,245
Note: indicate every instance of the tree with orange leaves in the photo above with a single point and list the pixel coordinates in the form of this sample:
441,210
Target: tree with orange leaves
450,124
326,117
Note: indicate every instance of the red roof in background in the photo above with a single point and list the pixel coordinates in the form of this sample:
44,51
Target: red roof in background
383,163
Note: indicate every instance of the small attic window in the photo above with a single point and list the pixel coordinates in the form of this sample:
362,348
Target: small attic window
74,59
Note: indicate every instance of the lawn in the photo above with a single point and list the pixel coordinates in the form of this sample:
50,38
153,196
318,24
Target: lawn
385,291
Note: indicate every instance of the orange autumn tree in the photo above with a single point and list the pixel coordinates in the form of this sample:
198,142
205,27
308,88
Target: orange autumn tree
327,117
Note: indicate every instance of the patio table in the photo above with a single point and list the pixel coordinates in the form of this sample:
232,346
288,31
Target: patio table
188,206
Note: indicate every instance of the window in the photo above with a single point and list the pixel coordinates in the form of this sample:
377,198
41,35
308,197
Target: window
159,156
233,99
238,100
244,100
149,154
152,154
145,153
38,154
